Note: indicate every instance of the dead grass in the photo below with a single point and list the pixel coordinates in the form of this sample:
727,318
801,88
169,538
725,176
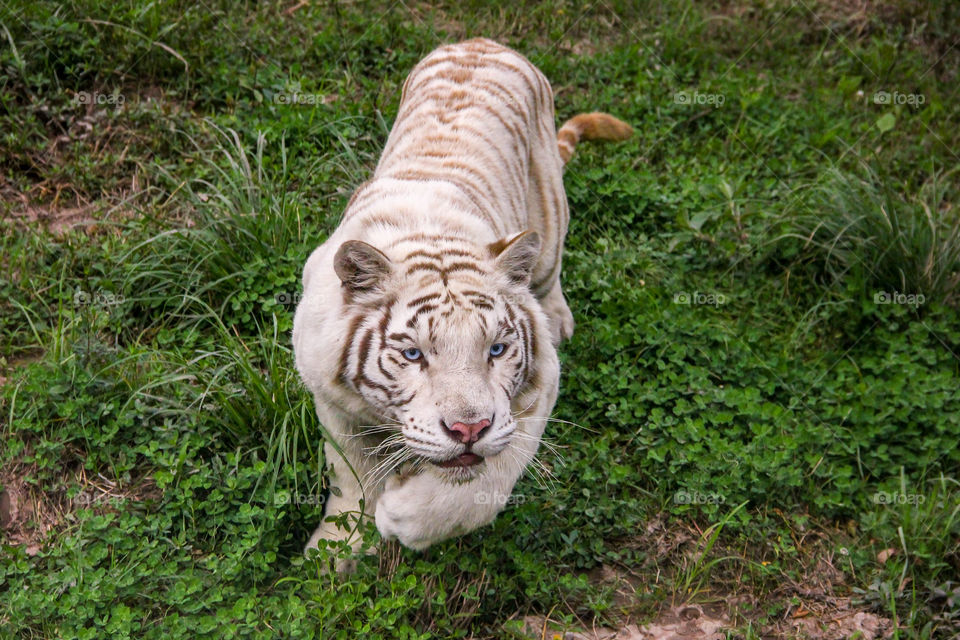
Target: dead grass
807,597
93,162
30,515
696,622
463,598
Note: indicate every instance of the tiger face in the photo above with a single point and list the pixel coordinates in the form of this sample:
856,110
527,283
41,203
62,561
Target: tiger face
441,342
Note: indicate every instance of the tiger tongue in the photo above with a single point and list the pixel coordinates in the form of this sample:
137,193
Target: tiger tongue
463,460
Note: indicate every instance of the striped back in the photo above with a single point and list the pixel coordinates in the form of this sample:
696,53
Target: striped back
473,152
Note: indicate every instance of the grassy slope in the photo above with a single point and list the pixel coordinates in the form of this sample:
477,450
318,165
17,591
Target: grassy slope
156,415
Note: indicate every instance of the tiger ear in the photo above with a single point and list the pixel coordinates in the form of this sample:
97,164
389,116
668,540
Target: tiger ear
517,256
361,267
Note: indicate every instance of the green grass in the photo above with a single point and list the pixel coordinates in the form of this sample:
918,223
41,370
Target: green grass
738,407
862,231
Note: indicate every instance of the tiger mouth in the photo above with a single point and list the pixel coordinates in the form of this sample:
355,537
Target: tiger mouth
468,459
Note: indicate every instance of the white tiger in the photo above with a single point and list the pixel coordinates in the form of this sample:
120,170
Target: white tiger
428,325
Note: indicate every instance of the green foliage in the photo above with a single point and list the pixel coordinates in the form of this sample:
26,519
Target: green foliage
152,406
862,231
240,252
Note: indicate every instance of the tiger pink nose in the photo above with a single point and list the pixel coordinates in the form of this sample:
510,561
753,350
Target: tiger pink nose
467,433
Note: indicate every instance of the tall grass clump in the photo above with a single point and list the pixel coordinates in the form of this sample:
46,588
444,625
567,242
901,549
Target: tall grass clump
252,386
860,228
236,243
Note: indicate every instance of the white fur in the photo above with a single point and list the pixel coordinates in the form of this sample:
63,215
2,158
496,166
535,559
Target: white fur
436,503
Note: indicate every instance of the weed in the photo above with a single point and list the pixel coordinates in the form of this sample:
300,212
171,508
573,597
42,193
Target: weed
859,229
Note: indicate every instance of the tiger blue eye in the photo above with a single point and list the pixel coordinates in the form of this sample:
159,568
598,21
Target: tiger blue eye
412,354
497,349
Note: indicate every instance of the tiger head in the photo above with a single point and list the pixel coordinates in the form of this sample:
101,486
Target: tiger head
443,341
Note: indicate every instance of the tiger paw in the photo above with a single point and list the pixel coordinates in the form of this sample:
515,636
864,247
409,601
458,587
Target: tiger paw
345,560
398,514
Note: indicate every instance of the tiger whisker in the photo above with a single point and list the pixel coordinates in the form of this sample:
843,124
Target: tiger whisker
547,471
540,473
385,470
558,420
418,464
549,446
515,454
543,478
365,430
525,409
388,443
379,472
523,435
540,465
401,457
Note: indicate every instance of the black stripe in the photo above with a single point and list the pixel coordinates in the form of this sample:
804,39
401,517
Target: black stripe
402,401
418,301
427,308
463,266
348,344
423,266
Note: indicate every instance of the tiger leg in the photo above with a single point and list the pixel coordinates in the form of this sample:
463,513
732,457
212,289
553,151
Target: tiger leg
343,513
559,314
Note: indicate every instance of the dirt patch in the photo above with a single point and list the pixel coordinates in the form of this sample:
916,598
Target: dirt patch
56,220
699,622
58,217
837,622
27,513
90,165
30,513
625,586
806,598
687,622
93,218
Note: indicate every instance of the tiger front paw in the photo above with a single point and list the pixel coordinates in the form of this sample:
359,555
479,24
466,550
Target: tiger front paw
396,515
407,511
345,561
